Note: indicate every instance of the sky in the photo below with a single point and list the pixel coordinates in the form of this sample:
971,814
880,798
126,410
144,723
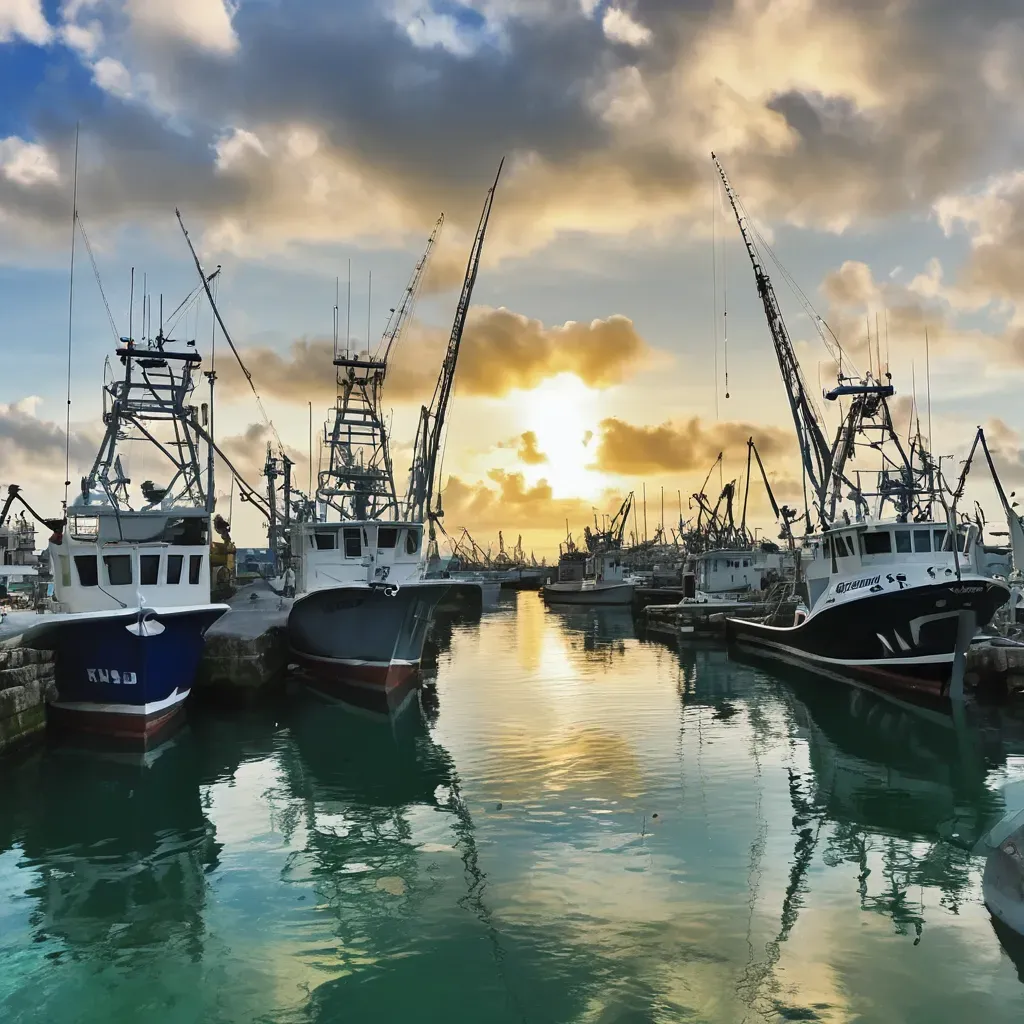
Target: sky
616,342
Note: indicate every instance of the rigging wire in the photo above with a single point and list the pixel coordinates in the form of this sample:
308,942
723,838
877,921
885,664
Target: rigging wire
227,336
71,306
99,282
714,279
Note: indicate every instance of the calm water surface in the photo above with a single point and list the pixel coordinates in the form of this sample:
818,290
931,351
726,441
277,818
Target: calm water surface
580,826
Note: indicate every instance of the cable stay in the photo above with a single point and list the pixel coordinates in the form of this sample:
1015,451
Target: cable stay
99,282
403,313
227,334
430,431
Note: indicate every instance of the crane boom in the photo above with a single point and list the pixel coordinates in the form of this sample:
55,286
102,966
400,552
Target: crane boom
400,316
815,451
419,501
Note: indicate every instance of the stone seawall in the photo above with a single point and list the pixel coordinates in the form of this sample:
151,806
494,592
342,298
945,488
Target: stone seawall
26,680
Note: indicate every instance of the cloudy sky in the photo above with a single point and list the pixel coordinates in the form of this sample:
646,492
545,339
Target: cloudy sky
877,144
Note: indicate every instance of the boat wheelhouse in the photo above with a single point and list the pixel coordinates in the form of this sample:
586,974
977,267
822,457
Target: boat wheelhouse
736,571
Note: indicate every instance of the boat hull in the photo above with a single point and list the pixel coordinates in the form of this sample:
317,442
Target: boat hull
118,678
360,641
904,641
575,593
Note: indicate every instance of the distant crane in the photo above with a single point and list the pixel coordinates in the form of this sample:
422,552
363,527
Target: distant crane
419,504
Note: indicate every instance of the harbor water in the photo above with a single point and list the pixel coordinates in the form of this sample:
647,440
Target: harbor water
571,824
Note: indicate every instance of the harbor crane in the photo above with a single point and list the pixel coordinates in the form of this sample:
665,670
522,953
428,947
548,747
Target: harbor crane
420,503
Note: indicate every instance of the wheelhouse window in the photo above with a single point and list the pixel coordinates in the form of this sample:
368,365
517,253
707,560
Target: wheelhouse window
412,541
943,541
878,543
65,570
922,540
353,542
903,544
387,537
174,563
325,541
88,575
195,565
119,570
149,570
85,527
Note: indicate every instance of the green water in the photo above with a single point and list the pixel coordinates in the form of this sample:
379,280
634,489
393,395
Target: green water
580,826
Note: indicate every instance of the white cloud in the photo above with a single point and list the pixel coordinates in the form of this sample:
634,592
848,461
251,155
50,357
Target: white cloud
24,19
205,24
83,39
113,77
622,99
620,27
26,163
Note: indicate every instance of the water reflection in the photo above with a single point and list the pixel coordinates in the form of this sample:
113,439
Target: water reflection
570,825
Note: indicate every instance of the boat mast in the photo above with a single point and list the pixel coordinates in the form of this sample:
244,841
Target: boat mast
814,448
429,433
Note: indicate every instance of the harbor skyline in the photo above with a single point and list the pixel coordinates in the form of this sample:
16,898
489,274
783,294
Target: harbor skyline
885,177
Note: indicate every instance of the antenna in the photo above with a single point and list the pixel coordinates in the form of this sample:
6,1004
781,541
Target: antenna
928,380
309,489
878,348
369,298
348,311
131,307
71,307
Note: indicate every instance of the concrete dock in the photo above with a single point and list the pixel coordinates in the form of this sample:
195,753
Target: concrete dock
246,651
26,681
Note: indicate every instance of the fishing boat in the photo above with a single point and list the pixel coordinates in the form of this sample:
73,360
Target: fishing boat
893,604
596,576
894,592
363,598
131,567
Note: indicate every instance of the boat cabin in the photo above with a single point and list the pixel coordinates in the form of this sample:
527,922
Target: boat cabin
605,567
355,552
106,559
734,571
850,550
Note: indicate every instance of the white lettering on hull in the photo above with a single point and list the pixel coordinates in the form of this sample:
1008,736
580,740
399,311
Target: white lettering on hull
103,675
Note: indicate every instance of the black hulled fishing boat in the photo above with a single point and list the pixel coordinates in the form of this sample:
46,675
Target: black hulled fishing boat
893,593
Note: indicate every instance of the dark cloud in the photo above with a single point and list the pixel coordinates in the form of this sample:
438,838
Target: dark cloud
629,450
334,123
28,441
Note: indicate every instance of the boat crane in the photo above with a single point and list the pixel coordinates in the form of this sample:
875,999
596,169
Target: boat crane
419,502
611,538
910,489
784,514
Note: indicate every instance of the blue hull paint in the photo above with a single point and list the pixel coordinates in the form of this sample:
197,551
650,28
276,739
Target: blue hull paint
111,675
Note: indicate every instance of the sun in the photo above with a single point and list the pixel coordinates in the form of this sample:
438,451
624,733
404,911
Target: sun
564,414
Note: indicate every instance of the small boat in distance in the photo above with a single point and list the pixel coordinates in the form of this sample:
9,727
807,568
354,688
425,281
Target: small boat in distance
597,576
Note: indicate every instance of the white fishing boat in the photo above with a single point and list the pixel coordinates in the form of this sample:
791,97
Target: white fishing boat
597,576
363,598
